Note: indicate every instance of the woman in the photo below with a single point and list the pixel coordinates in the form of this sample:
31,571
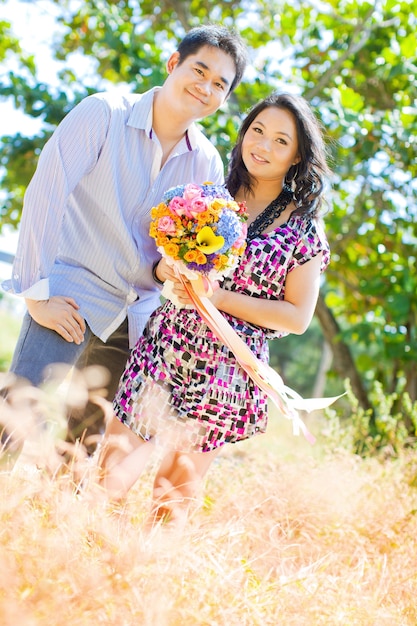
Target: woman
182,386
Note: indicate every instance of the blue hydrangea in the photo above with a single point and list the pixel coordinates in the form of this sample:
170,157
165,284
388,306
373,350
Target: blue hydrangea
216,191
172,192
229,226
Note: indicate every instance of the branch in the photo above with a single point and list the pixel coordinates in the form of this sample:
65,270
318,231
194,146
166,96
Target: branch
360,38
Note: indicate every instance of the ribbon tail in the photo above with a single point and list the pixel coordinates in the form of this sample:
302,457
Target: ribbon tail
314,404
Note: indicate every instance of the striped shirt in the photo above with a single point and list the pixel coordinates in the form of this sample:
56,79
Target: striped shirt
86,214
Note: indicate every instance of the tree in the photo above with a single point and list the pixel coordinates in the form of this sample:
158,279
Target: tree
355,63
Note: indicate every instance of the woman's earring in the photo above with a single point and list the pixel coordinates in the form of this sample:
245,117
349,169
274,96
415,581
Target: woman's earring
291,175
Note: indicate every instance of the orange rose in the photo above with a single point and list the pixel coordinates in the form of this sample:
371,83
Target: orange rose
201,258
172,250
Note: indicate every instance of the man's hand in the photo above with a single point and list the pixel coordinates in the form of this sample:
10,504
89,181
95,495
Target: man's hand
60,314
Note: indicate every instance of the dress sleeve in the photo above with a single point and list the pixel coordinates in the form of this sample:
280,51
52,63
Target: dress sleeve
311,242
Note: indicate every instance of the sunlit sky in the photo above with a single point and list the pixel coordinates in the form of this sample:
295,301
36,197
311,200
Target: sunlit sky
33,24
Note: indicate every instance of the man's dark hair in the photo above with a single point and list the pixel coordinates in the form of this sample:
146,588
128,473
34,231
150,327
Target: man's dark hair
218,37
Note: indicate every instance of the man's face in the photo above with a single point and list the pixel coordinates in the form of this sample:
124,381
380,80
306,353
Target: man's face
201,83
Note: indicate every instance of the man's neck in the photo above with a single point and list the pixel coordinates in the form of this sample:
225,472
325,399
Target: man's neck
169,126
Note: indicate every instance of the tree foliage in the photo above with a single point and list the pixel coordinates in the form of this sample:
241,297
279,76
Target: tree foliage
354,61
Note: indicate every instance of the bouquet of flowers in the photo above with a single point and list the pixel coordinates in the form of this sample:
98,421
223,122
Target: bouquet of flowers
200,229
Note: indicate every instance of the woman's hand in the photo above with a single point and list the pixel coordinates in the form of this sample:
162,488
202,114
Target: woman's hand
200,286
179,289
60,314
163,271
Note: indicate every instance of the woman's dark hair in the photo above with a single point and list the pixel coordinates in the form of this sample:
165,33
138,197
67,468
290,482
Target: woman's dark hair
306,177
216,37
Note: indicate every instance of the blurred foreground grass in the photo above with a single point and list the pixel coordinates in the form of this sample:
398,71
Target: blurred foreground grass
9,330
286,534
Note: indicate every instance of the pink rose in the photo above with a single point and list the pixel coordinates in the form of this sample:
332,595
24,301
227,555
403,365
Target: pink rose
197,205
178,205
167,225
191,191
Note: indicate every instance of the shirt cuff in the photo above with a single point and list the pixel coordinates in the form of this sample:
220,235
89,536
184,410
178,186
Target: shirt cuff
38,291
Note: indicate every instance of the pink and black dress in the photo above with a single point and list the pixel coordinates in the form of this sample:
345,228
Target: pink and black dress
181,385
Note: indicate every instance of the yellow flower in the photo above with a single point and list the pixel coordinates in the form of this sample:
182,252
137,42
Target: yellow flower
201,258
218,203
221,262
161,240
160,211
208,242
203,217
191,256
233,205
171,249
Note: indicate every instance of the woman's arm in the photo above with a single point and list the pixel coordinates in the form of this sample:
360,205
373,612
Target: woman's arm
292,315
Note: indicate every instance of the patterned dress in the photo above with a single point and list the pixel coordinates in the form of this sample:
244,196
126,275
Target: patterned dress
181,385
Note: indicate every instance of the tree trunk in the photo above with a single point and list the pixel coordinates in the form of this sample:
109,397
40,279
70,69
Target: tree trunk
343,362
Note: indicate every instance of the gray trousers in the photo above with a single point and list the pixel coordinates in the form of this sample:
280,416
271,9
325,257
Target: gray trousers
39,348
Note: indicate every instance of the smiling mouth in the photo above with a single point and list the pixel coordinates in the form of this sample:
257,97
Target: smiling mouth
258,159
193,95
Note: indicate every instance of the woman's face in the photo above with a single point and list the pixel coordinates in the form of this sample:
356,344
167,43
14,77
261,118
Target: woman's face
270,145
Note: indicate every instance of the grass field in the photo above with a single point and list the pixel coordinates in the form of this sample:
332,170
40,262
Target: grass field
286,534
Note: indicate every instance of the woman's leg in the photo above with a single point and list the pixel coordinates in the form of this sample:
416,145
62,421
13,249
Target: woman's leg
122,459
177,484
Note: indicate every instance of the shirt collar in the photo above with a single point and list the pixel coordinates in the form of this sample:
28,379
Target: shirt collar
141,114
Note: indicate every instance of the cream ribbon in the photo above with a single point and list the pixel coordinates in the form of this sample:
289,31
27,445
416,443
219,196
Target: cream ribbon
286,399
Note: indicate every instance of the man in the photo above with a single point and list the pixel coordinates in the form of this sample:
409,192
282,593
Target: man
85,263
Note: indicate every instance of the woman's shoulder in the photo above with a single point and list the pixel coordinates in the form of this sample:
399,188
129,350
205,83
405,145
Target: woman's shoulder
310,239
307,223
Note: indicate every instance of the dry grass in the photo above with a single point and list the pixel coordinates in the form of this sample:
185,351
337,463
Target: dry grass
287,535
